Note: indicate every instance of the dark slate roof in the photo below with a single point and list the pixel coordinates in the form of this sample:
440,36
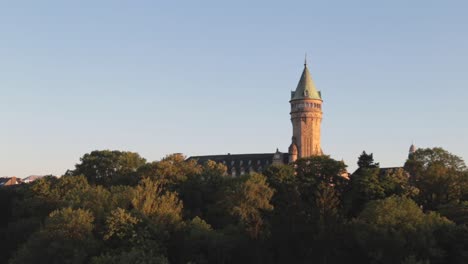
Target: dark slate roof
238,164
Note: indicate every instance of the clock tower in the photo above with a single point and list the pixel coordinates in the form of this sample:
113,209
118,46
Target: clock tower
306,118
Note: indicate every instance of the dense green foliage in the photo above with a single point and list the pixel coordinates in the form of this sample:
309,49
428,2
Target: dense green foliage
115,207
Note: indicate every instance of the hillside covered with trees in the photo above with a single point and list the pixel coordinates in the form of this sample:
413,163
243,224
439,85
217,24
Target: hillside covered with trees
115,207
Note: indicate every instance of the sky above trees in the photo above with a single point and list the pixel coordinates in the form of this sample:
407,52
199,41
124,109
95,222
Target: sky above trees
214,77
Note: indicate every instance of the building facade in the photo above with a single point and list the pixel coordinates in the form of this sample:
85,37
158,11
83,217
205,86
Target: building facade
306,117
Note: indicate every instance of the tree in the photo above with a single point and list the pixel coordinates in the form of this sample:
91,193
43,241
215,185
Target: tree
289,220
171,170
327,202
453,240
367,161
250,198
393,229
162,207
314,170
397,182
120,225
311,173
136,255
213,169
286,198
129,239
198,244
440,176
456,212
201,192
65,238
107,167
369,182
364,186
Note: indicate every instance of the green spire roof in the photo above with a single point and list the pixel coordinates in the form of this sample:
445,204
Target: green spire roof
306,87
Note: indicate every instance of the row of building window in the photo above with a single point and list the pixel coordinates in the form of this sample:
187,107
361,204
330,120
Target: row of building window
249,162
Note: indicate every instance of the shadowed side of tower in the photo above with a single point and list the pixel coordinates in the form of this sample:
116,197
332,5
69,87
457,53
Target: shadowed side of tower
306,117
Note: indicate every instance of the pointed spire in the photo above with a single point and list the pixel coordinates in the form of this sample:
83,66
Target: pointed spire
306,87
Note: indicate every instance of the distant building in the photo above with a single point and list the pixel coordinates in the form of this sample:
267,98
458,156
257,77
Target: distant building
9,181
306,118
240,164
32,178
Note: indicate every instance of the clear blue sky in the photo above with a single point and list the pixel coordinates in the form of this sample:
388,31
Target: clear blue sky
212,77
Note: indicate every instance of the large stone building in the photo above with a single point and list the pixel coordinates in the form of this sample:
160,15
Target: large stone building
306,117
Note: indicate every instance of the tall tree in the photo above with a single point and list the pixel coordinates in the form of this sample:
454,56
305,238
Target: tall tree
367,161
162,207
311,172
172,170
65,238
250,199
201,192
440,176
395,229
109,167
